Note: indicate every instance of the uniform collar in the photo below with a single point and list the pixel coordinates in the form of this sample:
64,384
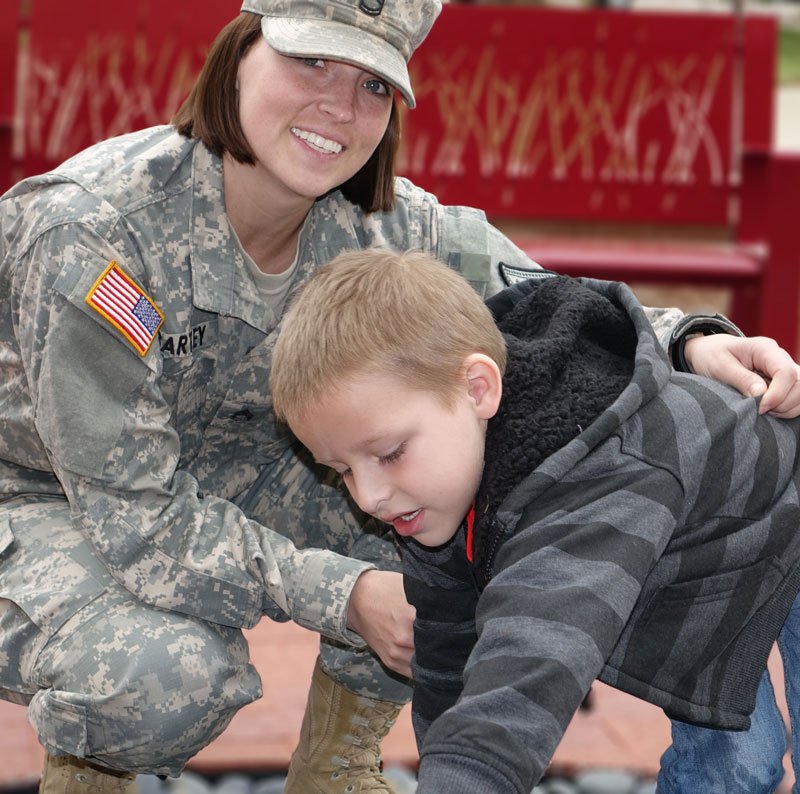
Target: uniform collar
221,280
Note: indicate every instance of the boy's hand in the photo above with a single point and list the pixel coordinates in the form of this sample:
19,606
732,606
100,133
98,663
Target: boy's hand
379,612
754,365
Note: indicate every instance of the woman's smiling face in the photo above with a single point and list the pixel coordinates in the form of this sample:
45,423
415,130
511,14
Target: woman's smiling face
312,124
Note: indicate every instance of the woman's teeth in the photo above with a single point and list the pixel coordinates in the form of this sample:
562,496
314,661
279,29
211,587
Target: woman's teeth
317,142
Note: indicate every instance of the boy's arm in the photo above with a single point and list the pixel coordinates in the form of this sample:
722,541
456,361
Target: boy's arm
440,586
564,587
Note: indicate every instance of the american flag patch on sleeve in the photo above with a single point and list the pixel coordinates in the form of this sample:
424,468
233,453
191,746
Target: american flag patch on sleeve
118,298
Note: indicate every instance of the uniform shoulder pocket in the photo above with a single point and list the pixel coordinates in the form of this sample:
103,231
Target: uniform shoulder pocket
106,290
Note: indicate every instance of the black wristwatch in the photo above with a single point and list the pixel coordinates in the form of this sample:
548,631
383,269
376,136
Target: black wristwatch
697,325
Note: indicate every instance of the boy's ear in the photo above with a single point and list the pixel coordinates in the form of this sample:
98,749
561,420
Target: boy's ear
484,384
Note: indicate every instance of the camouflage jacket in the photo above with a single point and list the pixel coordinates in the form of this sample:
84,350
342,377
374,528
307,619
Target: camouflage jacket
152,417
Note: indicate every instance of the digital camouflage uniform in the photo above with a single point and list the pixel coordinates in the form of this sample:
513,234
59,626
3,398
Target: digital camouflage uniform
150,505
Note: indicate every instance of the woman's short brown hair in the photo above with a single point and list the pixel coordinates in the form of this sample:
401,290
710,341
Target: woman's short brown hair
211,114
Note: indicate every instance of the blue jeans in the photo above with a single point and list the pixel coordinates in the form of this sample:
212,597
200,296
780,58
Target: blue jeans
707,761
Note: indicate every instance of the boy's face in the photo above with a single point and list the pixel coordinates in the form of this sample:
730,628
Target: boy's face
406,457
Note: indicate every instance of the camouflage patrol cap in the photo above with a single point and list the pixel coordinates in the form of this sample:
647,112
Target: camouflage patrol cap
376,35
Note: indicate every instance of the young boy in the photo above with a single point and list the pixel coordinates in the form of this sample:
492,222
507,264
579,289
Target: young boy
569,507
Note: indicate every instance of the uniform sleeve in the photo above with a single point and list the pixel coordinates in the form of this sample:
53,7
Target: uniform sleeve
471,245
113,444
564,588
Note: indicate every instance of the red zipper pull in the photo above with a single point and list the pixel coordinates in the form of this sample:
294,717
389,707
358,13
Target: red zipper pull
470,531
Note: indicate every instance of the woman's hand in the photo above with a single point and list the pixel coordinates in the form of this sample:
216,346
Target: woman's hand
379,612
754,365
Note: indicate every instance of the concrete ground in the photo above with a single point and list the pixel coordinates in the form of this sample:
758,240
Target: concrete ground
618,732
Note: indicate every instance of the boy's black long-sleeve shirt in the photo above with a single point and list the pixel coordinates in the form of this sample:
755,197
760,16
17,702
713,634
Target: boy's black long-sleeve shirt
633,524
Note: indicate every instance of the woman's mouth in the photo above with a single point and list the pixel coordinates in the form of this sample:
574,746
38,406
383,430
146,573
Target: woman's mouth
317,142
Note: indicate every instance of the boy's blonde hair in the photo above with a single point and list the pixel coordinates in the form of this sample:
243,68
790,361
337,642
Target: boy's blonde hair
376,311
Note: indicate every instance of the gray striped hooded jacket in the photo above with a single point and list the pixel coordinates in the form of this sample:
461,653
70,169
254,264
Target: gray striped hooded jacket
633,524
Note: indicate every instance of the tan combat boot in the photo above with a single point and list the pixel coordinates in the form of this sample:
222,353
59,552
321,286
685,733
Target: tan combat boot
339,749
66,774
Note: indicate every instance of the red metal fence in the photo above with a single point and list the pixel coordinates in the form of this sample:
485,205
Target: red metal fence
574,114
109,69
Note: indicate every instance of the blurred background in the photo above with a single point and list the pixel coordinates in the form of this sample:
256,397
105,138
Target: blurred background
654,141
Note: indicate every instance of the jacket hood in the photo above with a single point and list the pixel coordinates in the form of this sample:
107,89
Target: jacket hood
571,353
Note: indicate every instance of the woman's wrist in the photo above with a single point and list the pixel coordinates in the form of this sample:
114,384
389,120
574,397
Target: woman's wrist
690,327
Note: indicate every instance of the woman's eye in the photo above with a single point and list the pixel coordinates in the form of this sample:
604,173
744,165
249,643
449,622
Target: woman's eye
376,86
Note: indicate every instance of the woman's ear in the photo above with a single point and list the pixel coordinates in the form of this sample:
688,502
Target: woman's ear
484,384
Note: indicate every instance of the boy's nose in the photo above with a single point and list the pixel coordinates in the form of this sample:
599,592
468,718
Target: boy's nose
371,493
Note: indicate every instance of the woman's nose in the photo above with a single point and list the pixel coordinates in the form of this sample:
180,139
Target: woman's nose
339,100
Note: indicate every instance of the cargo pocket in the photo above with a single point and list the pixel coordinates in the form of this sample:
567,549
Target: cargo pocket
42,564
60,725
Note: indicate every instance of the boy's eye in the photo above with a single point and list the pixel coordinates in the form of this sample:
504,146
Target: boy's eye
376,86
393,456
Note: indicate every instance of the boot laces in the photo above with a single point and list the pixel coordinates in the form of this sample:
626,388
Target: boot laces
360,762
